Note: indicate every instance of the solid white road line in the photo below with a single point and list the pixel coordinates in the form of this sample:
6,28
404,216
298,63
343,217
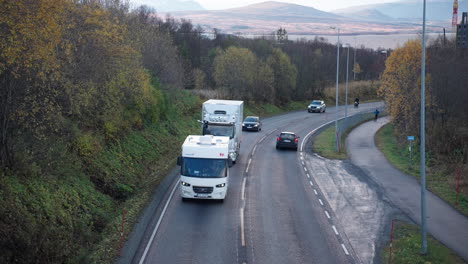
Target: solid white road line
158,223
336,231
326,212
320,201
315,191
242,227
243,189
254,149
248,165
345,250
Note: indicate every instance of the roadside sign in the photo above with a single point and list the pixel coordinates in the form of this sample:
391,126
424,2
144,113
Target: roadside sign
410,138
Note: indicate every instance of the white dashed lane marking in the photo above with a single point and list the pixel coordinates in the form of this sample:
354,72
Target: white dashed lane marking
345,250
334,230
308,176
328,215
320,201
315,191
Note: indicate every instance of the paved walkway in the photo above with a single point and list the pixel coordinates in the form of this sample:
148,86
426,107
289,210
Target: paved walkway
443,222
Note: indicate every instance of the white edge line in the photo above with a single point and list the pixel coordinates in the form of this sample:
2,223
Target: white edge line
242,227
243,189
248,165
320,201
345,250
326,212
254,149
158,223
336,231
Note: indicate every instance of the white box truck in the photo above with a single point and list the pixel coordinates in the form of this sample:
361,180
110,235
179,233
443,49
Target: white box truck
224,118
204,167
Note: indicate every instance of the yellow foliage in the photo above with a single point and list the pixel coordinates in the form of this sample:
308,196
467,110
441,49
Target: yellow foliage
401,85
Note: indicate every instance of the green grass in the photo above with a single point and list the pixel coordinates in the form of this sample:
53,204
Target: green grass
324,145
439,178
407,248
265,110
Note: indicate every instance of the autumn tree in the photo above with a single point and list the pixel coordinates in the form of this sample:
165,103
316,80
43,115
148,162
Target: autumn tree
401,86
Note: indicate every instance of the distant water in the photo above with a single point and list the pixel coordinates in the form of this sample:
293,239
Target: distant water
373,41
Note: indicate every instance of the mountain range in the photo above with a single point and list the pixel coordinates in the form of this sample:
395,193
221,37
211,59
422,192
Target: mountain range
264,18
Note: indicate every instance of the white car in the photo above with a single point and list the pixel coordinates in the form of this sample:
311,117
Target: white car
317,106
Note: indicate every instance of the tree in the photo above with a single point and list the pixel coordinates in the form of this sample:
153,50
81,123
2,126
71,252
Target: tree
401,86
234,71
281,35
285,74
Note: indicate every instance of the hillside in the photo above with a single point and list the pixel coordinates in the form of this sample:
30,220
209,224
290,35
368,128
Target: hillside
267,17
410,10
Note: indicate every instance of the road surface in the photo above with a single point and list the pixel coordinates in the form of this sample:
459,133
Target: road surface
273,213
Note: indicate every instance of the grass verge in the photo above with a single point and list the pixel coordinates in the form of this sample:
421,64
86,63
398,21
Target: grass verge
407,248
438,177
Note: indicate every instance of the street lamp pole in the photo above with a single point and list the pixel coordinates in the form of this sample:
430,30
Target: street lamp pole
337,72
422,164
346,93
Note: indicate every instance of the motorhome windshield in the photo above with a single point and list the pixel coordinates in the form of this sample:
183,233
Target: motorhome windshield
204,168
219,130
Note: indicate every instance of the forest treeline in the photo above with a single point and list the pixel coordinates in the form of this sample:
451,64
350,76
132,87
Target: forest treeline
88,86
446,102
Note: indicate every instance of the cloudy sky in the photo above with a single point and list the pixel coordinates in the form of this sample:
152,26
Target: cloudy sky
325,5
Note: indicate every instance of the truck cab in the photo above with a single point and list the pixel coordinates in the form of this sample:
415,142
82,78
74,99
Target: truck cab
204,167
224,118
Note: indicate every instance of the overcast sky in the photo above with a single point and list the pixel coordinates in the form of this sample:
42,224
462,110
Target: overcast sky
325,5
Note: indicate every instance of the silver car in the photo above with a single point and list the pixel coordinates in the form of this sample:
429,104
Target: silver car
317,106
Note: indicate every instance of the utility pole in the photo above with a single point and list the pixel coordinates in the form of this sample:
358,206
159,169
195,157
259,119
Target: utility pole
422,164
346,93
337,80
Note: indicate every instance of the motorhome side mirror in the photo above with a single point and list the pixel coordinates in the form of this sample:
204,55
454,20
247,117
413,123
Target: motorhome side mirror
179,161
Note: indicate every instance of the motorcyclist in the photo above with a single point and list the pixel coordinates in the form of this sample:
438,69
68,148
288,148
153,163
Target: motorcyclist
376,112
356,102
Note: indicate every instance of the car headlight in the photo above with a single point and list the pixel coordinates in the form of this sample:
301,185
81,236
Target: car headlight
221,185
184,184
256,125
243,124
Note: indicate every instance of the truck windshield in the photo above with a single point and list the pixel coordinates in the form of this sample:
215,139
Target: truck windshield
204,168
218,130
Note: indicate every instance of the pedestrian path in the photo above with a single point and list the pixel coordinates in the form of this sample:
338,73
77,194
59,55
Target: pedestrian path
443,222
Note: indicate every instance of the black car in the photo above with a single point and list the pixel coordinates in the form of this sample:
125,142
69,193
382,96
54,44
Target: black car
252,123
287,140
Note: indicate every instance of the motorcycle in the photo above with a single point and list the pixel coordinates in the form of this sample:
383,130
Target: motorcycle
356,104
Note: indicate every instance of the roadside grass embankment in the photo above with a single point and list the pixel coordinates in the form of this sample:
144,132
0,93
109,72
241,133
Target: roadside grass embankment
406,247
366,91
440,176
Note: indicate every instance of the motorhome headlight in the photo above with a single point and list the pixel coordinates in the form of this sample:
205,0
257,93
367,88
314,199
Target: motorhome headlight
221,185
232,155
184,184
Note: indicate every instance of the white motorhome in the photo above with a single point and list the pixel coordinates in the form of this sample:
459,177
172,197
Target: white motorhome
224,118
204,167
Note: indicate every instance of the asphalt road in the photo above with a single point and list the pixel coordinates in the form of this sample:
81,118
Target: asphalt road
274,212
443,222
